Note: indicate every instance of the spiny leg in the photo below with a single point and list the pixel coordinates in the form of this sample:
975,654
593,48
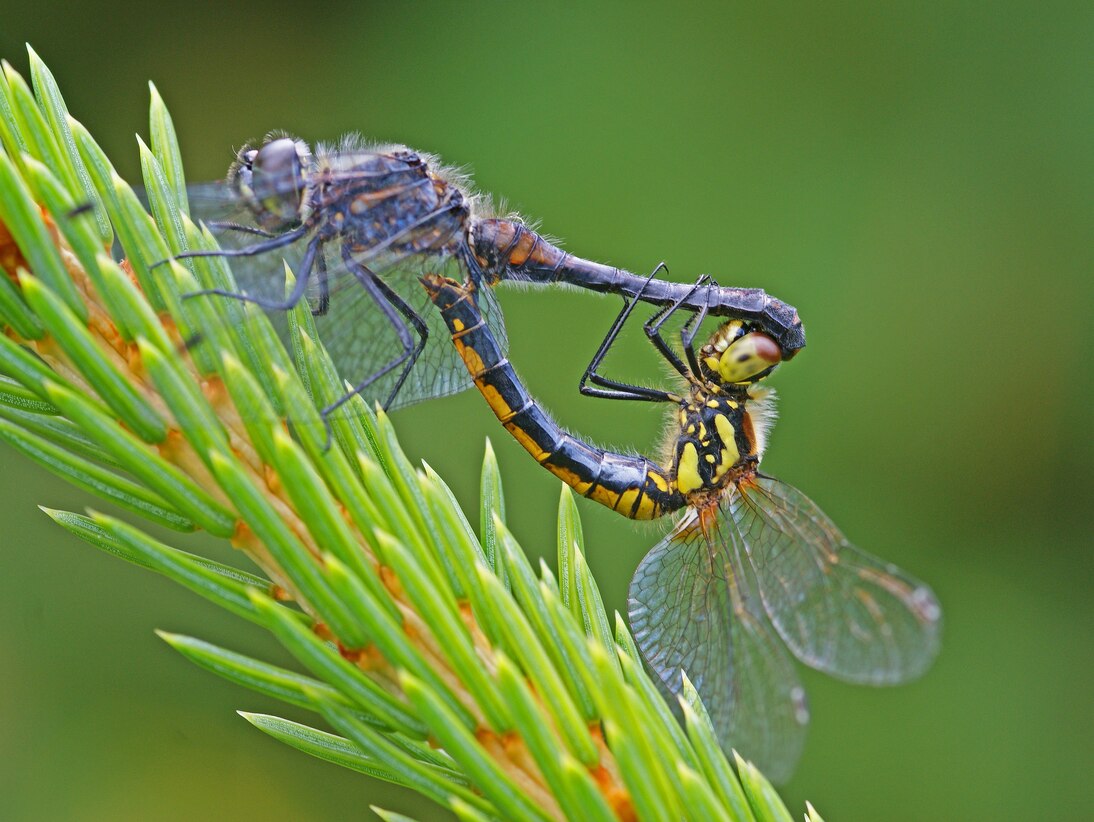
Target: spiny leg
420,327
369,285
653,326
323,282
275,242
313,251
392,307
613,389
692,326
226,225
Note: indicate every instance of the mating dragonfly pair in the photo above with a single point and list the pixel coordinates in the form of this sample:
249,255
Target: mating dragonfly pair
397,257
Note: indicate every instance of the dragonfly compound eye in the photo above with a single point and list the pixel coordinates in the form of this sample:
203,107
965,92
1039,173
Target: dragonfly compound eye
276,183
746,359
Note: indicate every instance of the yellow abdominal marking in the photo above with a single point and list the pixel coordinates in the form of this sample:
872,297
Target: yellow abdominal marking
605,496
627,500
495,400
569,477
538,453
471,358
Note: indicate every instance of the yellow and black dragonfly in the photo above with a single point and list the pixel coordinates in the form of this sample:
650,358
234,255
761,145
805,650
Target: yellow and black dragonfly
752,567
359,223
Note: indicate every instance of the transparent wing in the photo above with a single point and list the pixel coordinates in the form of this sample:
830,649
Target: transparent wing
362,340
364,329
691,611
215,201
839,609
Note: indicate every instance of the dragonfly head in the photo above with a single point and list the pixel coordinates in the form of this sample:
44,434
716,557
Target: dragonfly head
272,181
736,357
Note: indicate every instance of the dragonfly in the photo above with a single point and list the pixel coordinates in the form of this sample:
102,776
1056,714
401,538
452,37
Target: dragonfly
358,224
753,571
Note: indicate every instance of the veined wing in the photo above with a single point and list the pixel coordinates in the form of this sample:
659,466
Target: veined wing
839,609
365,328
691,611
358,333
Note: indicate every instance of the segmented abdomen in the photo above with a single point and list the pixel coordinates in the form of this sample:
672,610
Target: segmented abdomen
507,250
631,485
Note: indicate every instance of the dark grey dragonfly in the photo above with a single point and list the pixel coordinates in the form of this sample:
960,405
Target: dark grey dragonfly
359,225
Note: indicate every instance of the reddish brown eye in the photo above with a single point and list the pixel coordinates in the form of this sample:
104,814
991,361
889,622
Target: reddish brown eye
766,348
749,357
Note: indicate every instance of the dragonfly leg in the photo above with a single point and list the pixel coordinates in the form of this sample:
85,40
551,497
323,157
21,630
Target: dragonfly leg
692,326
275,242
224,225
323,284
313,251
613,389
653,326
422,330
399,314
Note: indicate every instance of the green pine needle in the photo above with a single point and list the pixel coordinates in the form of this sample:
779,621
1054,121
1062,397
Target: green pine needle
438,659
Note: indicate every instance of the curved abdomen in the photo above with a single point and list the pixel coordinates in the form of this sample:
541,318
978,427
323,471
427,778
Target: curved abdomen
506,250
633,486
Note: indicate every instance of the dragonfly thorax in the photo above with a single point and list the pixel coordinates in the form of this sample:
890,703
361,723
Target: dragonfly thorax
390,204
723,422
715,442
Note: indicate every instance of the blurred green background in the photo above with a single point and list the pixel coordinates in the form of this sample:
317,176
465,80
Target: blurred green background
917,181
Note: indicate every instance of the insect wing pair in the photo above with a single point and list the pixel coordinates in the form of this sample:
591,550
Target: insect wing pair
724,595
356,227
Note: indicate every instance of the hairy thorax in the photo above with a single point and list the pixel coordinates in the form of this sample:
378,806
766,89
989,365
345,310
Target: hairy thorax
717,438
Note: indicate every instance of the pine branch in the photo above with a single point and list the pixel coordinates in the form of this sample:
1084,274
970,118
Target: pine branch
440,661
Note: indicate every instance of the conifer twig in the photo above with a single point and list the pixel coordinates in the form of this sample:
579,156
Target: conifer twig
462,673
